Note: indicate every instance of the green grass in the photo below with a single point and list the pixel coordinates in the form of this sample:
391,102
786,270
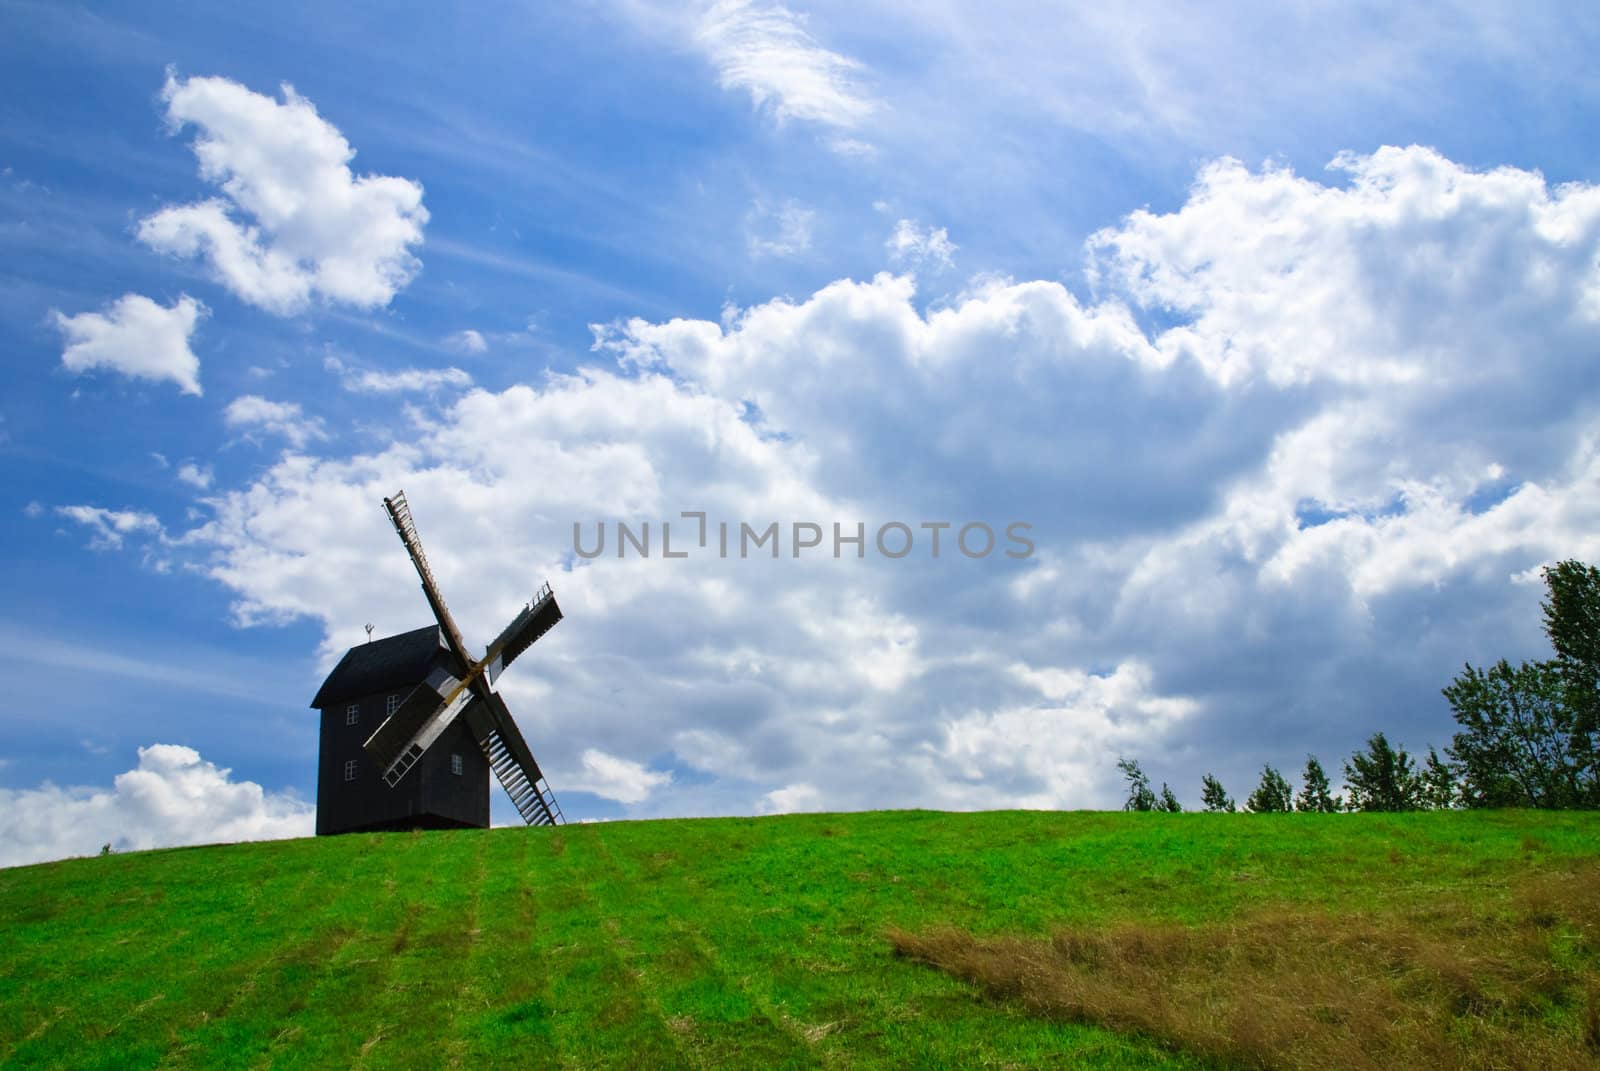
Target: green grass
705,943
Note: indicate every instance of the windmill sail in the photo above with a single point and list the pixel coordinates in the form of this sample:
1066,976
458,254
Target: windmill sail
406,528
416,715
537,618
513,763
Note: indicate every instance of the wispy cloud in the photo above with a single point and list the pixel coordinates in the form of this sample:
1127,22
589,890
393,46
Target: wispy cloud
252,413
547,272
911,245
780,231
400,381
205,670
108,527
765,50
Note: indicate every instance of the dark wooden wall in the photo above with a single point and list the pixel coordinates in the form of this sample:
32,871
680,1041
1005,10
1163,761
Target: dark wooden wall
429,797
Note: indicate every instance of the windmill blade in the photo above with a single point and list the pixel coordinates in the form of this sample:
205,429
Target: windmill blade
426,712
512,736
404,526
514,765
536,618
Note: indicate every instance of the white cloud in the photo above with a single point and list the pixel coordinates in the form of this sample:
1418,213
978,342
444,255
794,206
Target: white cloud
1268,267
467,341
910,245
172,797
405,380
294,224
1272,524
783,231
137,337
765,50
792,799
408,379
109,527
195,475
1170,78
853,147
713,752
251,413
616,778
1054,754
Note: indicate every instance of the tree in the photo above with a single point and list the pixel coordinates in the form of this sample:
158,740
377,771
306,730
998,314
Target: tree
1382,778
1572,621
1272,796
1140,798
1520,744
1168,801
1314,791
1214,796
1438,783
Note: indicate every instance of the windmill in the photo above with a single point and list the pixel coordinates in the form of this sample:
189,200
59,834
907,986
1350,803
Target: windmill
431,707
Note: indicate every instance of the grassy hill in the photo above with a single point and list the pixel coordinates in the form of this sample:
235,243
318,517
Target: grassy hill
890,939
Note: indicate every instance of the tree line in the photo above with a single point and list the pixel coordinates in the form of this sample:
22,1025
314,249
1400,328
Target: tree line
1528,735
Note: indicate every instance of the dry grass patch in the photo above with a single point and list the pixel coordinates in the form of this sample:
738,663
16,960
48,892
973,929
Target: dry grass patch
1454,985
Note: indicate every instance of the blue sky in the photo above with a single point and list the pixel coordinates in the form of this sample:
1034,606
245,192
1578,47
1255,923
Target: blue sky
1278,325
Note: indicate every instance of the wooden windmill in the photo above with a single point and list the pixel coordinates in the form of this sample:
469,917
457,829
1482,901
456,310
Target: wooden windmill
462,687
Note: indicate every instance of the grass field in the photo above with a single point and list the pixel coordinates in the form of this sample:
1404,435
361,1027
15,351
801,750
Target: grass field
887,939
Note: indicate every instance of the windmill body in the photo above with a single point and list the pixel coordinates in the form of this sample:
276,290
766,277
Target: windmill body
447,789
440,727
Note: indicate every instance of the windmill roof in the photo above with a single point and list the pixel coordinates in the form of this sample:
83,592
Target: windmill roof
391,662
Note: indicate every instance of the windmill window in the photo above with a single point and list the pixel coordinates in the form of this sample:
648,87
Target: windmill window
394,703
352,713
351,768
455,765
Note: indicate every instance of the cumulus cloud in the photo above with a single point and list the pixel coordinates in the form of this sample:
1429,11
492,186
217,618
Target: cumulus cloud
1276,521
173,797
1261,263
617,778
780,231
136,337
293,224
252,414
792,799
911,245
194,475
766,51
1051,753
